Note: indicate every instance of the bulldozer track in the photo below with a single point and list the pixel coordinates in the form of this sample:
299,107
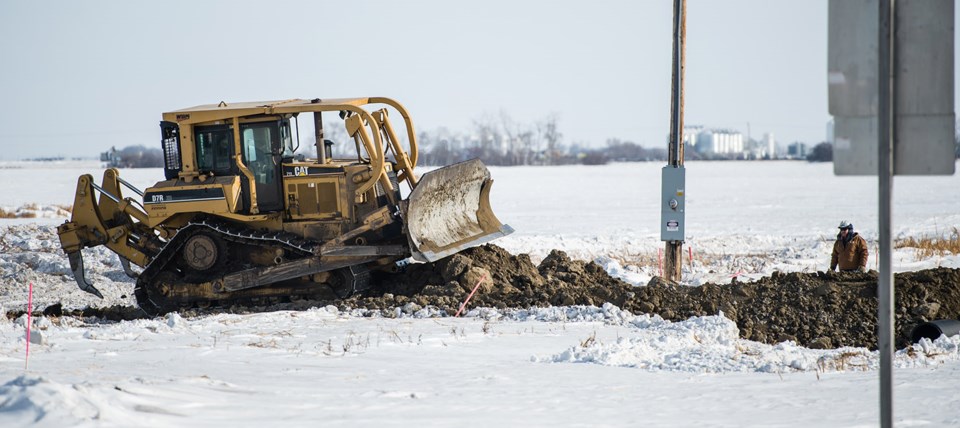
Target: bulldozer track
149,290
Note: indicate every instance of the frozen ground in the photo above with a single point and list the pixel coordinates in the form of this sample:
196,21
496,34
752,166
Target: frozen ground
325,368
568,366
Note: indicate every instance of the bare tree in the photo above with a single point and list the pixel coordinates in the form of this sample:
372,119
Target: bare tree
139,157
553,137
822,152
488,139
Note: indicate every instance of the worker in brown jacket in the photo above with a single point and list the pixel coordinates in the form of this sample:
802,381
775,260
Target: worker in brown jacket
850,250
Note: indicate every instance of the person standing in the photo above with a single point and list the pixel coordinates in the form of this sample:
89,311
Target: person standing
850,250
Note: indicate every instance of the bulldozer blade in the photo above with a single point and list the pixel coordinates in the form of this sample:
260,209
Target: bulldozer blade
76,265
449,211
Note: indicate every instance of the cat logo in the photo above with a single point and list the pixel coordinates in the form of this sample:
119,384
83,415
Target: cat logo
300,171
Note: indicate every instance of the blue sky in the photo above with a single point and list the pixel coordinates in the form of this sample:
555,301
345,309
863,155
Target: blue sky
79,77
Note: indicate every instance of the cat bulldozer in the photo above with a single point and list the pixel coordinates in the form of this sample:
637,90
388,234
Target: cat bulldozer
241,217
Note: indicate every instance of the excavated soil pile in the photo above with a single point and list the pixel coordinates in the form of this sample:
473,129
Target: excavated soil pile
817,310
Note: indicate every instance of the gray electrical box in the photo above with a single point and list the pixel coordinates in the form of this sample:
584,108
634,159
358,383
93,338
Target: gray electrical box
673,203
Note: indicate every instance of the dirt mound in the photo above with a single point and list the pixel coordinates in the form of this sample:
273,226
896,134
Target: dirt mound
817,310
508,282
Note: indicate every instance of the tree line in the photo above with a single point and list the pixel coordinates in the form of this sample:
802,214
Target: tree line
133,157
499,140
496,140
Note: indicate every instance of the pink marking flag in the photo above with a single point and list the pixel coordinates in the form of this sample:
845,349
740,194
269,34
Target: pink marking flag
475,287
29,310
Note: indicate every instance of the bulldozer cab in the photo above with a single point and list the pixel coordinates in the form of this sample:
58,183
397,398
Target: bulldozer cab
256,142
263,146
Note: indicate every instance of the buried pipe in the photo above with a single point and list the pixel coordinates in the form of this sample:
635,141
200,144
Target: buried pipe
934,329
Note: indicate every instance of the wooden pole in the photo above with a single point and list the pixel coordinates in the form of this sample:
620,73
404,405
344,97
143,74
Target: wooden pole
673,251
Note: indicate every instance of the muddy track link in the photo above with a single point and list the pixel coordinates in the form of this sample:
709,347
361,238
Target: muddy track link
154,289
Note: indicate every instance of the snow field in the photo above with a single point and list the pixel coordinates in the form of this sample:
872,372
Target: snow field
355,368
567,366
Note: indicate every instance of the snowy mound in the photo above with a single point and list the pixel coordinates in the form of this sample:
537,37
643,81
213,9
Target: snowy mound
712,345
30,253
28,399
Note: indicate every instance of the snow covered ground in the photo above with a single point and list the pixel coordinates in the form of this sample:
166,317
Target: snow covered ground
566,366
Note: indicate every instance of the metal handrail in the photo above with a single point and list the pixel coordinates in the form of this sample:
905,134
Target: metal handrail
130,186
116,199
106,193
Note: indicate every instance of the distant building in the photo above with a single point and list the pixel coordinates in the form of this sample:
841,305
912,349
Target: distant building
720,142
728,143
690,134
762,149
797,150
111,158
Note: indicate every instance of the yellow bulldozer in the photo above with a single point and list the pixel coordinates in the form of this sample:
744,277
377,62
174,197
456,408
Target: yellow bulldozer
241,216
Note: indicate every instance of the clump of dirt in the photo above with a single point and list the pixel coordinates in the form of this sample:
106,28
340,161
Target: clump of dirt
502,280
817,310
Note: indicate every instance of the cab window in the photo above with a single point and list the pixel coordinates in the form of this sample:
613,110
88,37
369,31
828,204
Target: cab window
287,140
260,146
257,142
214,149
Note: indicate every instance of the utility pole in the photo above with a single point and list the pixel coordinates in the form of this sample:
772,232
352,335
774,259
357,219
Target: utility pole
673,177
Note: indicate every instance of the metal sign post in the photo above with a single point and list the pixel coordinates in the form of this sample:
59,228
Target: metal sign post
885,173
890,79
